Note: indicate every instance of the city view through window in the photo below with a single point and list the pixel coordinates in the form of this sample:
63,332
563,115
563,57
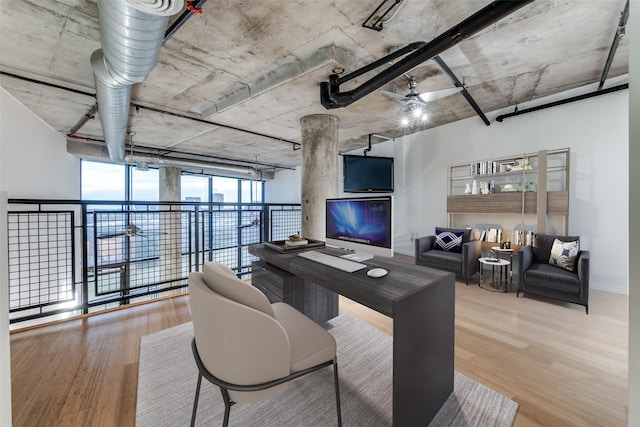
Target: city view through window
131,246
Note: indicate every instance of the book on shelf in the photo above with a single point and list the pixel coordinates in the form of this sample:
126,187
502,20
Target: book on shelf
493,235
484,168
522,238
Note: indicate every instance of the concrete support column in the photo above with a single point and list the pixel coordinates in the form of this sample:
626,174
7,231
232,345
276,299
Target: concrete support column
169,184
170,225
319,171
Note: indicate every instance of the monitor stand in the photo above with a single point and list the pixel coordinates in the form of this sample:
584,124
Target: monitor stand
357,256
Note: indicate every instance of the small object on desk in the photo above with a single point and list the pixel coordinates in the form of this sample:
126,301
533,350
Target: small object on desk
296,242
282,246
377,272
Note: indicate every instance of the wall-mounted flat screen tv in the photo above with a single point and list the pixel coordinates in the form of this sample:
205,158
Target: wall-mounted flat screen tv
367,174
361,224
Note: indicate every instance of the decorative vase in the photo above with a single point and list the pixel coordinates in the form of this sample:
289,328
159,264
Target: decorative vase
474,187
467,188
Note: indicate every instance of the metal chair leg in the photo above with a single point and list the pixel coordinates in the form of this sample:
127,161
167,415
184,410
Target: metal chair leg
227,405
227,409
195,401
335,377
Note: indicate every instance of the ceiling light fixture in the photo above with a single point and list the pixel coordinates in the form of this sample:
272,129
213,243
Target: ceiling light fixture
413,113
414,109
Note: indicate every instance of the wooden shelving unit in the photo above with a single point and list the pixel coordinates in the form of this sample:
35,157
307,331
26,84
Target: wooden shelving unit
527,184
500,203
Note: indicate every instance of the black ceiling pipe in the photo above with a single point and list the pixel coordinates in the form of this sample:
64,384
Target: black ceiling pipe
182,19
88,116
331,97
614,45
501,117
457,83
53,85
375,64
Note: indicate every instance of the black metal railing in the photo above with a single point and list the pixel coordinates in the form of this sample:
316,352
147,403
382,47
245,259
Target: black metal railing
83,256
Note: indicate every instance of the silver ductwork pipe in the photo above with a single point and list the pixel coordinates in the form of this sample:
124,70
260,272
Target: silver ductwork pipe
131,33
181,163
97,152
113,105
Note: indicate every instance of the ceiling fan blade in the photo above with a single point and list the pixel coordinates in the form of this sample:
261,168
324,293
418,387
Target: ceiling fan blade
395,96
437,94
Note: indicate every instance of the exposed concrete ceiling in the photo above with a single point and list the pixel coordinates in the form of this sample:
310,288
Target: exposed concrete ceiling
247,71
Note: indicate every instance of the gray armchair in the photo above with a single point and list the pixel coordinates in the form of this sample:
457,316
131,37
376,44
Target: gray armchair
537,276
464,264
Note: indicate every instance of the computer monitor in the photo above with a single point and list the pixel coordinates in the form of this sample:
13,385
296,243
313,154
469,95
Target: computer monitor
362,224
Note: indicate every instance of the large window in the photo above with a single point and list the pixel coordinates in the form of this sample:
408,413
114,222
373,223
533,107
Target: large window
145,185
251,191
194,188
224,189
102,181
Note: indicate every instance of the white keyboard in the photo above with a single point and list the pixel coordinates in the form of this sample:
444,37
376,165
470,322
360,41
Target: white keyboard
332,261
357,256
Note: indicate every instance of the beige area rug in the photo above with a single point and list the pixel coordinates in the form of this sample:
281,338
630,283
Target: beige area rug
167,379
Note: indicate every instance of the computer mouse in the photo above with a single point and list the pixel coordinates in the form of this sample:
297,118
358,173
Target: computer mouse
377,272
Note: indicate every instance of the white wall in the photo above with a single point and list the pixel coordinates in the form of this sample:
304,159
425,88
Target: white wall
33,164
596,131
5,354
634,212
33,157
286,188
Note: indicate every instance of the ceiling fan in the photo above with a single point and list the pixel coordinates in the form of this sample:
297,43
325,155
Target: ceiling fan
130,230
414,103
255,223
413,94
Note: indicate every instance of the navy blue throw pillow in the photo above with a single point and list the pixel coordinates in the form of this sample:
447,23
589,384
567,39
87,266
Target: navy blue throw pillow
449,241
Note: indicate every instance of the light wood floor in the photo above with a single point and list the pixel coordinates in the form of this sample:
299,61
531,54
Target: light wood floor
563,367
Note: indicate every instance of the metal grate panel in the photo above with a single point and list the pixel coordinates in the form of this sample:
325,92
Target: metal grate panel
40,258
133,250
140,249
285,222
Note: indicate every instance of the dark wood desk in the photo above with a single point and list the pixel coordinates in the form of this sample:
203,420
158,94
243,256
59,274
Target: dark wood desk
421,302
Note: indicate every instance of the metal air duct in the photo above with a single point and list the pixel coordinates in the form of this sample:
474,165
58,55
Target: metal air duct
97,152
132,32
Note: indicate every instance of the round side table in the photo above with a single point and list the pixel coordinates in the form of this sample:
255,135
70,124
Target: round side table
505,251
501,284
